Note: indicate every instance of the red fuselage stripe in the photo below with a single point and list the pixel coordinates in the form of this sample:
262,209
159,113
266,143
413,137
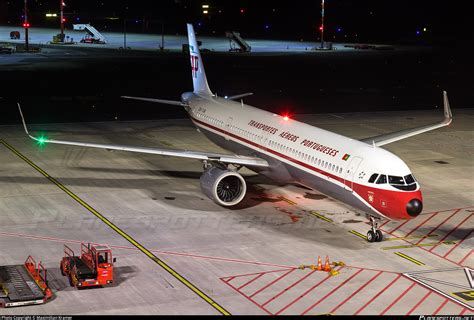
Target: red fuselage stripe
270,150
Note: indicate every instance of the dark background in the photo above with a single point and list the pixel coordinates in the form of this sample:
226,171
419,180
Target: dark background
362,20
86,84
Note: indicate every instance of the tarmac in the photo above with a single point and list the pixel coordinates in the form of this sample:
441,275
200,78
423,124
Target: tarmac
147,42
180,253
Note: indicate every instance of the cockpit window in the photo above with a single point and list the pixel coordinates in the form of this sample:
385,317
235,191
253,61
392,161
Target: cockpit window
395,180
382,179
373,177
409,179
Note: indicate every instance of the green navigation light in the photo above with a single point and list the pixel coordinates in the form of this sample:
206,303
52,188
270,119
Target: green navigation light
42,140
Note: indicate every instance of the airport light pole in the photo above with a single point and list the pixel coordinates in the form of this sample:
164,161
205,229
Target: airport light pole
322,24
26,25
61,8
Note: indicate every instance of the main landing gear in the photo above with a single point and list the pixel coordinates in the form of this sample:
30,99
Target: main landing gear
374,234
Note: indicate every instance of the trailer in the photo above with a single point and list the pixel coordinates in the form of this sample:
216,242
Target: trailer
23,285
93,268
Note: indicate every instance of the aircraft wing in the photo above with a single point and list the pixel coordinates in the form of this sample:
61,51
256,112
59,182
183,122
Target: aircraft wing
209,156
387,138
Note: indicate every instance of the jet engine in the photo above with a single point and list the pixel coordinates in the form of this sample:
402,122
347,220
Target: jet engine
225,187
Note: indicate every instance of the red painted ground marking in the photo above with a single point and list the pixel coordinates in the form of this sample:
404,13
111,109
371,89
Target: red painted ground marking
330,293
449,233
306,292
378,294
399,226
257,273
249,282
384,223
457,244
463,311
248,298
377,270
228,280
441,306
288,288
424,249
416,228
277,279
463,259
419,302
20,235
356,292
439,225
398,299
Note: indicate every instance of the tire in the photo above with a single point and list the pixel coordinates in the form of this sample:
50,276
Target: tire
370,236
61,266
378,236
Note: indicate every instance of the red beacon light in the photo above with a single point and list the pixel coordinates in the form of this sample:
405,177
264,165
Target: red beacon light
285,116
26,24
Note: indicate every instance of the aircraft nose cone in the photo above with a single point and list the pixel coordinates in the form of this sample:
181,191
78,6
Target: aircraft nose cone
414,207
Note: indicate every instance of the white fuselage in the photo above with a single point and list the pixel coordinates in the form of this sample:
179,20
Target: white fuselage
297,152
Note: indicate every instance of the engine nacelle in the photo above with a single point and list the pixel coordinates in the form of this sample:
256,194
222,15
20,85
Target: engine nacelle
225,187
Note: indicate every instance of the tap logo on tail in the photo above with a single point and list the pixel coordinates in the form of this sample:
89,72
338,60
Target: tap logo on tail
194,62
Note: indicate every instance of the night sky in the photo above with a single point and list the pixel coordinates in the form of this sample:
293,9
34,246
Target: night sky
363,20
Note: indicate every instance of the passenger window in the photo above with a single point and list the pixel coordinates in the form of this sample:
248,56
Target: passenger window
373,177
382,179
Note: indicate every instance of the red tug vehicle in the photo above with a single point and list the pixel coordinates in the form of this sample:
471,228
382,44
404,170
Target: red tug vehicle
92,269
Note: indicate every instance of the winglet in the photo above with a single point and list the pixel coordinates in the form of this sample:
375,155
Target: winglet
448,116
24,124
23,119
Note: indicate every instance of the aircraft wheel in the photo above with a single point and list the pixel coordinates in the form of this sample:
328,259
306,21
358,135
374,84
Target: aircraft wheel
378,236
371,236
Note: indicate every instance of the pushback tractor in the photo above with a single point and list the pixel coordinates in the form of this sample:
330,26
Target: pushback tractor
93,268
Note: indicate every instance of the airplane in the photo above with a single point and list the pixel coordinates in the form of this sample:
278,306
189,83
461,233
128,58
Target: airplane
356,172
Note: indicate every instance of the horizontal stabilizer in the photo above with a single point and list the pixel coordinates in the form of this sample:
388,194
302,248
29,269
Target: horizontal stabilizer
172,102
238,96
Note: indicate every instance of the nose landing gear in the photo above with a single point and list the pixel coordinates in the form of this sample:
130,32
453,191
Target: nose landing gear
374,234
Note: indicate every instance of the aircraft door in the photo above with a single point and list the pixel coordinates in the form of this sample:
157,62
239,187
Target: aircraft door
351,169
228,126
264,138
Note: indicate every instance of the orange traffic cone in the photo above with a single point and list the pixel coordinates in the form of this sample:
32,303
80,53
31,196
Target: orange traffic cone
327,267
320,265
